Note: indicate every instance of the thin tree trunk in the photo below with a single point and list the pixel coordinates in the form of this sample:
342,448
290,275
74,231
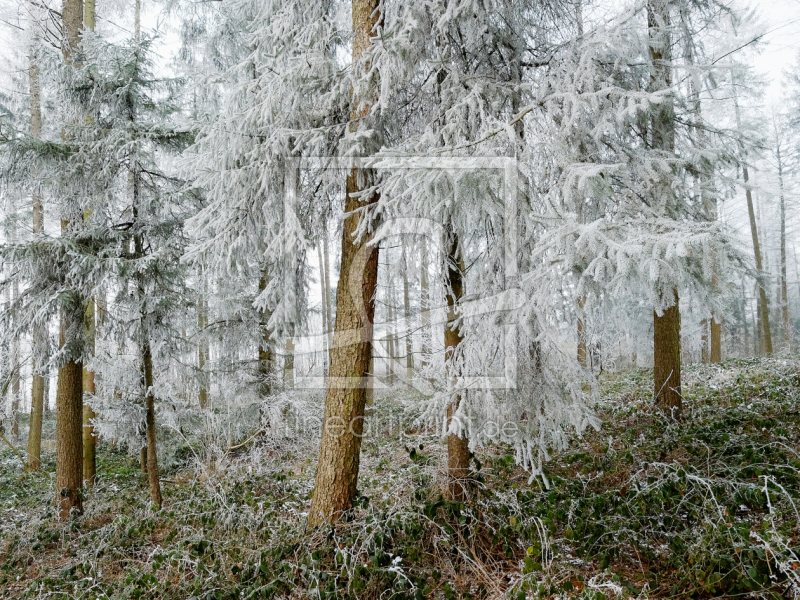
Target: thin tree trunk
763,301
667,326
704,345
457,445
16,367
89,439
39,330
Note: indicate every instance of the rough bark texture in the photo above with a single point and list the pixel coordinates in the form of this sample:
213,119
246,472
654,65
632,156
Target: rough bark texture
69,445
667,359
457,447
667,327
340,447
89,439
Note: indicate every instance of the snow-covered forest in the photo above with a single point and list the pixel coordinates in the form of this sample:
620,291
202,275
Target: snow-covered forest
380,299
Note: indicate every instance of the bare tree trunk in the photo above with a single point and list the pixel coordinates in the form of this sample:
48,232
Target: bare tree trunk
89,439
340,447
763,301
457,446
34,451
667,326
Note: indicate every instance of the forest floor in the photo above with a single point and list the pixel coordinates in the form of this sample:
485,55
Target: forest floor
644,508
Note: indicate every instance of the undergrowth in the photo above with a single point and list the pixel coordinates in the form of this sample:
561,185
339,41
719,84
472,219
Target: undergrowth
644,508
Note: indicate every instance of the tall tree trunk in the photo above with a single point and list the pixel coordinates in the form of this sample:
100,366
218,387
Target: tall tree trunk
69,393
39,329
457,446
667,326
340,447
762,293
89,439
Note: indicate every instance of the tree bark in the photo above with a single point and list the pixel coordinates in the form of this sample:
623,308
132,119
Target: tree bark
340,447
457,445
34,451
667,326
89,439
69,393
69,423
667,359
